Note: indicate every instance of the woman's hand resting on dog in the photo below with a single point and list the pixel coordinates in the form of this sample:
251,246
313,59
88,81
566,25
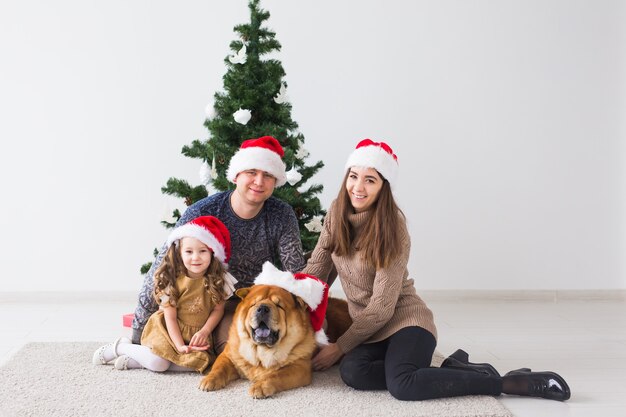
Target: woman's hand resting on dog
327,357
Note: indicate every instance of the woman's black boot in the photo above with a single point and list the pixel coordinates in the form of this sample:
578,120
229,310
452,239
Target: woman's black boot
460,360
545,384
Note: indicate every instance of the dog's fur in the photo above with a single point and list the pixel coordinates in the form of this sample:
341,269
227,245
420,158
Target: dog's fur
271,341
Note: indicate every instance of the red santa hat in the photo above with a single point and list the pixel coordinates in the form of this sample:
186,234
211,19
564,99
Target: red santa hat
208,230
377,155
311,289
264,153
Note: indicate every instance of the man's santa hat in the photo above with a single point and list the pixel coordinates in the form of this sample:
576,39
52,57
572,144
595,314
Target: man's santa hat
264,153
377,155
208,230
311,289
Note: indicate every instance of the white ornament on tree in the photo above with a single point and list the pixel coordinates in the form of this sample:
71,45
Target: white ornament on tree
213,168
293,176
242,116
240,57
205,173
315,225
282,96
209,110
302,153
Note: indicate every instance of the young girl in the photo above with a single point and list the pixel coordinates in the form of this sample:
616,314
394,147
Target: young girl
393,336
190,285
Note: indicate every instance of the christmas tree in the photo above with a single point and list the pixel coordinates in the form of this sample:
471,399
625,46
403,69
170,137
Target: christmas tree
254,104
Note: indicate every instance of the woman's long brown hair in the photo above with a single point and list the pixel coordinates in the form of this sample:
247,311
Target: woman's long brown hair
379,243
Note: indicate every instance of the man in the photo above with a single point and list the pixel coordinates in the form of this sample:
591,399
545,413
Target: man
262,228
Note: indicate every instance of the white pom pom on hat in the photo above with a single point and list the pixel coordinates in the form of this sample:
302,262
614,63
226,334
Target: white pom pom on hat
264,153
377,155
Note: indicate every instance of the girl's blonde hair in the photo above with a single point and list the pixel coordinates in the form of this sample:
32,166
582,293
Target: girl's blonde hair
379,243
172,267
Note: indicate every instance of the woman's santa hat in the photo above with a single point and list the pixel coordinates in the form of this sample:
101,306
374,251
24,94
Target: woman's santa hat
377,155
208,230
312,290
264,153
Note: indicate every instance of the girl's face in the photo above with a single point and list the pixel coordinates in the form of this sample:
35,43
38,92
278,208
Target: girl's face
196,256
363,186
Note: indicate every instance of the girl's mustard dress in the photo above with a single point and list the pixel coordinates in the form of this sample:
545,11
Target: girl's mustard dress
193,308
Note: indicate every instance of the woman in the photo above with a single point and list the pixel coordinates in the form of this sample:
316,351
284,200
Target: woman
393,336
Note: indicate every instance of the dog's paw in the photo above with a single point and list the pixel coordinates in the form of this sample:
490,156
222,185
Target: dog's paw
262,390
210,383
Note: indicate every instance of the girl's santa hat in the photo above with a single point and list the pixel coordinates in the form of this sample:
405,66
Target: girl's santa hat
377,155
264,153
208,230
312,290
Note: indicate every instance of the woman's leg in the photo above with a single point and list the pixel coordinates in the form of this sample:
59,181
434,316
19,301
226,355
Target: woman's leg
410,377
363,367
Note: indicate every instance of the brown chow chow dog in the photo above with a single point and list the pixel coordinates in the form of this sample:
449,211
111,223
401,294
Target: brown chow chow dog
271,341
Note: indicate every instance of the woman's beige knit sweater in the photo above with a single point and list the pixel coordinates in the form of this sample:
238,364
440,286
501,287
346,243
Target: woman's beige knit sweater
380,302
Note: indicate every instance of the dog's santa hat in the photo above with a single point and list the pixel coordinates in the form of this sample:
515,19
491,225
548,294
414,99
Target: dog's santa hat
264,153
311,289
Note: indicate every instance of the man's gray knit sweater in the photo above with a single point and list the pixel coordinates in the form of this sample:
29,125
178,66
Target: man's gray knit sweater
273,235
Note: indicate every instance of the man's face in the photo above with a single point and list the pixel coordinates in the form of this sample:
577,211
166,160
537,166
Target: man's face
255,186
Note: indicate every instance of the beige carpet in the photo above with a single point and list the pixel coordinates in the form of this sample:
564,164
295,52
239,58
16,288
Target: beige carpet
58,379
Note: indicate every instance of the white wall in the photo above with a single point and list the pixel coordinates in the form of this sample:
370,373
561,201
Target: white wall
508,118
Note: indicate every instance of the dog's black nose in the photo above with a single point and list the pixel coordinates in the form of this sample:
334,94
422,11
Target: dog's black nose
263,309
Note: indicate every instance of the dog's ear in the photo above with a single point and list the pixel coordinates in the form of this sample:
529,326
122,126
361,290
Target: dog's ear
299,301
242,292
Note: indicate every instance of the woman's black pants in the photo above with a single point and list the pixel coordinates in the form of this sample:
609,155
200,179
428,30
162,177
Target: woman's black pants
401,364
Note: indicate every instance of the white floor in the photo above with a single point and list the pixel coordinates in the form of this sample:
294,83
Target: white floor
585,341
